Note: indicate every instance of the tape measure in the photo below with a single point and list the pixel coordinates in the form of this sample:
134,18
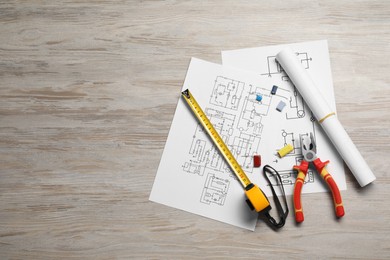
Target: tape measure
256,198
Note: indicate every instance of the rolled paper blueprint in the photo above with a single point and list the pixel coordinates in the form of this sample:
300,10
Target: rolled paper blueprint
325,116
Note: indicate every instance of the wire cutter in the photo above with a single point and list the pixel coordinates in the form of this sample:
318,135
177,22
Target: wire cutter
309,150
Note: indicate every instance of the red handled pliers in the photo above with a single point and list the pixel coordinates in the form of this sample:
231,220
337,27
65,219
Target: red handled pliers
309,149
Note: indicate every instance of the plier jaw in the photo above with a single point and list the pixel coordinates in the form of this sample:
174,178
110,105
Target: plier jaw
309,150
309,147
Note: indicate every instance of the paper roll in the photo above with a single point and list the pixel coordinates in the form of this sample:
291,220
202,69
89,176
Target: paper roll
325,116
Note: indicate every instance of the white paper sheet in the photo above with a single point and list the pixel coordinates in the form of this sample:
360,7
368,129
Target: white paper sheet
314,57
192,176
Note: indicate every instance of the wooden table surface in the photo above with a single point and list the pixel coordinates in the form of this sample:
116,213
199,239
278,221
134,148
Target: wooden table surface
88,91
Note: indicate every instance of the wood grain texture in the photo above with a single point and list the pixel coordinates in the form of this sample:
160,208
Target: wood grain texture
88,90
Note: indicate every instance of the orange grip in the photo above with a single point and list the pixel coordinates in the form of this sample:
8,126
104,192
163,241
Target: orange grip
297,197
338,203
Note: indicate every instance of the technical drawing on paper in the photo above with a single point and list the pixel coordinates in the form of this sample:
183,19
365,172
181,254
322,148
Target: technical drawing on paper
288,176
238,118
203,154
275,68
193,175
295,101
215,190
227,93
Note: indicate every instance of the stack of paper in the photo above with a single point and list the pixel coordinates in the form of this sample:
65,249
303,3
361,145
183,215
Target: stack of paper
237,98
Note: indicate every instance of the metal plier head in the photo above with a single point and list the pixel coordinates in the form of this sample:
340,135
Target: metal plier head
309,148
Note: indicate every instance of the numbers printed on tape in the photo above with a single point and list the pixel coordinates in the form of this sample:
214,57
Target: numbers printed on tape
244,180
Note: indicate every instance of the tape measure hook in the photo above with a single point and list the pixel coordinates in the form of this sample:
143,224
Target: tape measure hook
186,93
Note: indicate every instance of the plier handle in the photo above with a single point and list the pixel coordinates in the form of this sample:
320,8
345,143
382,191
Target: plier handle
309,155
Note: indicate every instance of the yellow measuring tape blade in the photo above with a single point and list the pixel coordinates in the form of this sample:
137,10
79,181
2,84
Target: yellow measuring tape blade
257,198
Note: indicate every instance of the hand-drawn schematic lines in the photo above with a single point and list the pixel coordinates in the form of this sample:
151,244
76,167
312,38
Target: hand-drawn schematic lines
288,138
250,126
215,190
289,176
275,68
297,106
296,103
203,153
227,93
253,111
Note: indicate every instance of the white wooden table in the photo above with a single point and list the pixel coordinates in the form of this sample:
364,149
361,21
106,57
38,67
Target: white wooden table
87,94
